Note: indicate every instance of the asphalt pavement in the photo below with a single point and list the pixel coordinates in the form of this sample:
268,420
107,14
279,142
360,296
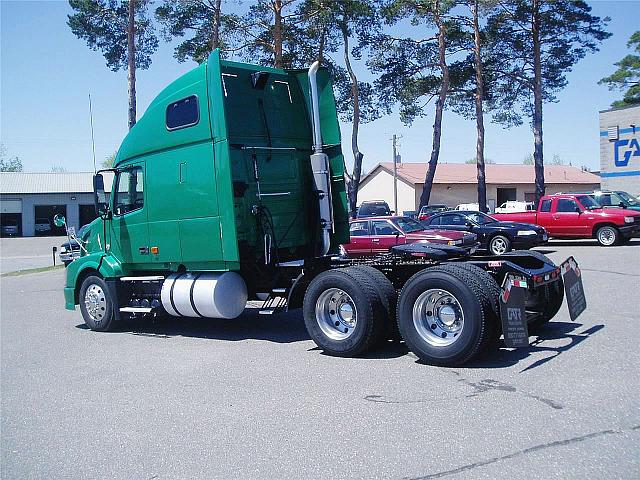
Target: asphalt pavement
253,397
22,253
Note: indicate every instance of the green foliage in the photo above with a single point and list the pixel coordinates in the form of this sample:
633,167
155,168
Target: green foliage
103,25
627,76
196,19
9,164
109,161
408,68
473,161
568,32
556,160
528,159
58,169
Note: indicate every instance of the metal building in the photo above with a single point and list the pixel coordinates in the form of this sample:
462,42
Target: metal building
620,149
31,200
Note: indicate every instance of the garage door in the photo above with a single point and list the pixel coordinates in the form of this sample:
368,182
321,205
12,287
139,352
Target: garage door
11,206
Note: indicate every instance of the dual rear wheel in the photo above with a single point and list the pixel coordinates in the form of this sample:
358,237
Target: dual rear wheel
446,314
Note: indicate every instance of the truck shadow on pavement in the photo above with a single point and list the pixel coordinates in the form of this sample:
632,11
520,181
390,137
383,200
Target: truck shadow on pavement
281,328
505,357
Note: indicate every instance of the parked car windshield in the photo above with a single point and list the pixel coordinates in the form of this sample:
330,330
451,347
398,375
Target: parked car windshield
408,225
630,199
587,202
481,218
374,210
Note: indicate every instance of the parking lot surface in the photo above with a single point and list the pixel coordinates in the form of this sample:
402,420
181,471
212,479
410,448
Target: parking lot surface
254,398
21,253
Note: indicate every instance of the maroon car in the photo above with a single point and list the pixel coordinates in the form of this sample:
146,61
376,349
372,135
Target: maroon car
377,235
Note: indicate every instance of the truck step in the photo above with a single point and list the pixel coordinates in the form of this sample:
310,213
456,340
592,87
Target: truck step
275,302
136,309
151,278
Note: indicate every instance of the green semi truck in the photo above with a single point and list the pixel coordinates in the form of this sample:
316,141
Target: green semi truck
231,188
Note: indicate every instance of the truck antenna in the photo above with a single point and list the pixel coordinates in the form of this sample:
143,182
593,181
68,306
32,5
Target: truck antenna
93,143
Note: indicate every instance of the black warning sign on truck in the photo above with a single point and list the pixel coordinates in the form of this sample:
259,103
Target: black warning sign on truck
512,312
574,291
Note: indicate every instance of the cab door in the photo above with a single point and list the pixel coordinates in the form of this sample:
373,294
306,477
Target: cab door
129,228
567,218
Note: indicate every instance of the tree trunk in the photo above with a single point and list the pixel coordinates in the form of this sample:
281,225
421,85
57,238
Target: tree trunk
215,34
277,33
538,159
131,58
482,186
354,182
442,97
320,57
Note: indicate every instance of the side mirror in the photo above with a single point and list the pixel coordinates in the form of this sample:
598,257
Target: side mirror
59,220
622,205
578,210
468,224
99,196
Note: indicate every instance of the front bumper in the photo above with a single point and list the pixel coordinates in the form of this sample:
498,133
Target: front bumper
630,230
69,298
529,241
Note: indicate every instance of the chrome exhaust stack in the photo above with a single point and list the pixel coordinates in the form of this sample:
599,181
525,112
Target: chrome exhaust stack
320,165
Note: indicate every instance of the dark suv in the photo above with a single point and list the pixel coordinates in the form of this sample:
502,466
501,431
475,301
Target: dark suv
374,208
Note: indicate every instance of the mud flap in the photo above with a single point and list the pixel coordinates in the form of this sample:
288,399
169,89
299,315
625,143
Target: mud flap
512,312
573,289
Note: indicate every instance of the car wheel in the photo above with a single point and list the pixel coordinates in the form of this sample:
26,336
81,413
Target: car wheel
499,245
96,304
607,236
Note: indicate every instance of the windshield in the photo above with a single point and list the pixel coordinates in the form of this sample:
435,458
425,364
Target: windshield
481,218
630,199
408,225
587,202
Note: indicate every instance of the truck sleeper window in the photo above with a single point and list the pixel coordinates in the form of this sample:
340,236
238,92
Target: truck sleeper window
183,113
129,195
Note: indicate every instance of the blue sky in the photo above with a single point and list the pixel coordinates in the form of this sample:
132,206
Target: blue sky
47,74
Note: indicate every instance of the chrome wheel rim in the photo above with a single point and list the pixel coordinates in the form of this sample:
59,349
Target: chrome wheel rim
606,236
336,314
95,302
438,317
498,245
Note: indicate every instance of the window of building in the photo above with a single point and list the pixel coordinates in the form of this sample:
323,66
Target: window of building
129,195
183,113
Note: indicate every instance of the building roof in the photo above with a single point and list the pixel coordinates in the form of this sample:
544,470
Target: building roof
414,173
50,182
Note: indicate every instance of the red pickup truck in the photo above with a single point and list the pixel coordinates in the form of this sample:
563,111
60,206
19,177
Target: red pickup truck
567,215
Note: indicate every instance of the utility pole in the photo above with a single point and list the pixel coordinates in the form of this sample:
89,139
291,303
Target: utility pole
395,173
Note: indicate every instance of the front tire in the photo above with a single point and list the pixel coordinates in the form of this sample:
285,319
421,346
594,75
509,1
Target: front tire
96,304
607,236
499,245
442,318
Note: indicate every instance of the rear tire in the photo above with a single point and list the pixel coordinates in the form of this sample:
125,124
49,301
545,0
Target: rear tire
96,304
388,297
442,318
343,313
608,236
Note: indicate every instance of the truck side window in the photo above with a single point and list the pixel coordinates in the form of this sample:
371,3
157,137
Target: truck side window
129,193
566,205
545,206
183,113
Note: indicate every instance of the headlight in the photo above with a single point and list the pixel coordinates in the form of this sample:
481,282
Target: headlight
454,242
524,233
628,219
63,249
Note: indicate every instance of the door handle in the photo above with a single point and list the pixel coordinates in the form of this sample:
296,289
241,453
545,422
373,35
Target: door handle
376,240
